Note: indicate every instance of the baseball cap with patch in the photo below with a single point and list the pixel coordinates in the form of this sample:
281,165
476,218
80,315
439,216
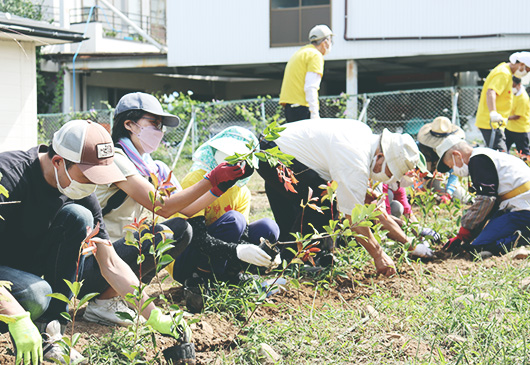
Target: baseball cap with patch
90,146
149,104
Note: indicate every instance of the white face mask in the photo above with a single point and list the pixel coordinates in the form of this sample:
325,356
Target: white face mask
521,73
380,176
514,90
75,190
406,181
460,171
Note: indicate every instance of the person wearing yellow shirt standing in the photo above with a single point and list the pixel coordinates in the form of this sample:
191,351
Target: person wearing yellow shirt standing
496,99
519,120
302,76
224,242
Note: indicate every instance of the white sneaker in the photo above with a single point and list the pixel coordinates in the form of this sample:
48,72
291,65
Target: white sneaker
53,351
422,250
103,311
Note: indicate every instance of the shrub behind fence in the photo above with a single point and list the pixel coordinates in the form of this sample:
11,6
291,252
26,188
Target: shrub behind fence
399,111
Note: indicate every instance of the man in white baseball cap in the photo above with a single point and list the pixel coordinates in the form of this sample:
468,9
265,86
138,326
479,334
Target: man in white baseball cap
303,73
502,185
342,150
496,99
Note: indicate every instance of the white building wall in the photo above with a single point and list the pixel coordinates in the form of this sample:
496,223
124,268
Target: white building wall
206,32
18,96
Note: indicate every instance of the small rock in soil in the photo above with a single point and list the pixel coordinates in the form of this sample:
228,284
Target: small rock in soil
267,355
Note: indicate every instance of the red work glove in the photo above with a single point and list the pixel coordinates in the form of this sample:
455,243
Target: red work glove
445,199
225,185
464,235
224,172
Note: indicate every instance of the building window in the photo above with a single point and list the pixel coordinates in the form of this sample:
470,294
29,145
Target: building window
291,20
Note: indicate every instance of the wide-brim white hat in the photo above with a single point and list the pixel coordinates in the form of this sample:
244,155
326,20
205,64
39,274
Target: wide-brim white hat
433,134
400,151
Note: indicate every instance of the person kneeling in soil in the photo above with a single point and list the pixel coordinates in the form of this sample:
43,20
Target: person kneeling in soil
502,185
430,136
224,242
138,128
51,206
342,150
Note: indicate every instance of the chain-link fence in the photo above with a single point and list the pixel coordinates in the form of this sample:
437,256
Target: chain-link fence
399,111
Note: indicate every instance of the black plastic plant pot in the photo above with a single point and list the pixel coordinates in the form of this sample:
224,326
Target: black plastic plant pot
194,288
270,248
180,354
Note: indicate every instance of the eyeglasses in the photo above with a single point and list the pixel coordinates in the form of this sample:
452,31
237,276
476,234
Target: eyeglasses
154,121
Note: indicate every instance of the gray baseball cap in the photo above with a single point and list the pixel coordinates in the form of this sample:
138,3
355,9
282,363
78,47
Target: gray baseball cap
148,103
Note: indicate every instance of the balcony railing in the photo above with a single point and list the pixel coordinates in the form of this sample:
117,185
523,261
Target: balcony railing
115,27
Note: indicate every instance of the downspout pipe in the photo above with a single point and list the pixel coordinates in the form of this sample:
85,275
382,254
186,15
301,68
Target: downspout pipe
77,52
142,32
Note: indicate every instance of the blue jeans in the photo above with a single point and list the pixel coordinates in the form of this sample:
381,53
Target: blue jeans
94,282
29,290
498,235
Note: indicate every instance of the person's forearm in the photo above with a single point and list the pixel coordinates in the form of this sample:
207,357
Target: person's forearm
199,204
119,275
368,241
491,98
514,117
394,230
8,304
180,202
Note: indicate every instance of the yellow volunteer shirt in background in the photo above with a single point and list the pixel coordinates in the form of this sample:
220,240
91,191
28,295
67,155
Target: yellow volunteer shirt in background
236,198
306,59
521,107
499,80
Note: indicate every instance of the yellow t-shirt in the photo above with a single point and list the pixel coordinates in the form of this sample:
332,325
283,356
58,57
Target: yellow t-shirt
236,198
499,80
306,59
521,107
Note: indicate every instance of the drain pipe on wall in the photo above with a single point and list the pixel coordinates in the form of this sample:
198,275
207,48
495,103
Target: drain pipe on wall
77,52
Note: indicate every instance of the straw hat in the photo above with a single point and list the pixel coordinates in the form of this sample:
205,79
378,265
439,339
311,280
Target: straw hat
434,133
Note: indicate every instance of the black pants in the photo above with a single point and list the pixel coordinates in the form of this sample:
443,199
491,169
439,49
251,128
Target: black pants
499,143
520,139
90,272
285,204
294,114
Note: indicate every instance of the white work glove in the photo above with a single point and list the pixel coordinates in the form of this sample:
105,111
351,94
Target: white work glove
253,255
496,117
275,263
422,250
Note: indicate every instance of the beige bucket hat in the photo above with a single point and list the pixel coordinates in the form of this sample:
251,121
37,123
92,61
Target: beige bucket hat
434,133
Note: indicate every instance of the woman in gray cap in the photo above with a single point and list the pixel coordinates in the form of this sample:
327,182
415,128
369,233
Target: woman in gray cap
137,131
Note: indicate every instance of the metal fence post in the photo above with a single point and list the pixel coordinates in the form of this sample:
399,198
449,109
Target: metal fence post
192,123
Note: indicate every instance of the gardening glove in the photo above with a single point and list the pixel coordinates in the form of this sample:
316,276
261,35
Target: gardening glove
163,323
496,118
224,172
445,198
252,254
28,341
464,235
225,185
275,263
431,234
422,250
